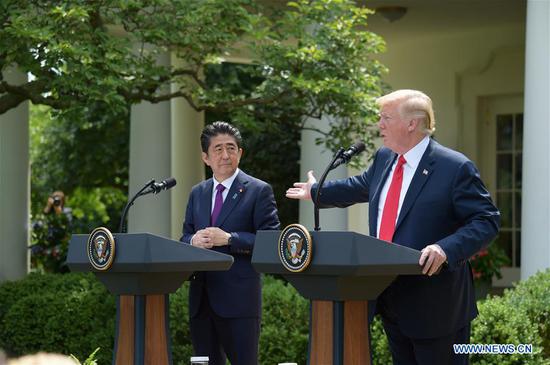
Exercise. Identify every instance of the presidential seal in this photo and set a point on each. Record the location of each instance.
(295, 248)
(101, 248)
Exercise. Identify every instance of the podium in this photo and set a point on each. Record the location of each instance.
(145, 270)
(347, 269)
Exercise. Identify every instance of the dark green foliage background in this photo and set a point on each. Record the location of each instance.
(74, 314)
(270, 139)
(85, 154)
(70, 313)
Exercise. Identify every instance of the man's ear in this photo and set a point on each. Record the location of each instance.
(413, 124)
(205, 159)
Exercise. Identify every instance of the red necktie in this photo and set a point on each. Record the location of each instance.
(389, 215)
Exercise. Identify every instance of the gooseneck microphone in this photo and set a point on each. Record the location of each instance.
(150, 187)
(347, 155)
(340, 157)
(165, 185)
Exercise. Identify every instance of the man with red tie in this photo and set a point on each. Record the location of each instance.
(223, 214)
(428, 197)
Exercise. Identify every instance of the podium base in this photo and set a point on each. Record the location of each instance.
(142, 330)
(339, 333)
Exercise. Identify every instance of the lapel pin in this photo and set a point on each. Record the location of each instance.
(234, 196)
(425, 172)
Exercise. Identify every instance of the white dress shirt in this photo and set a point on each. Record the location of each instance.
(413, 157)
(227, 183)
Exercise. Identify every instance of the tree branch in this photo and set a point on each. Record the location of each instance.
(10, 101)
(194, 75)
(316, 130)
(139, 96)
(244, 102)
(33, 91)
(219, 107)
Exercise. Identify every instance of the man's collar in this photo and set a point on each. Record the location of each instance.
(227, 182)
(414, 155)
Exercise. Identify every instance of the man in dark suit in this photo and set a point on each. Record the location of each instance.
(223, 214)
(430, 198)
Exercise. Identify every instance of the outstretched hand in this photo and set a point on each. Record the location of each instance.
(302, 190)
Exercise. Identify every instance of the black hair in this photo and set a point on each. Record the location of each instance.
(217, 128)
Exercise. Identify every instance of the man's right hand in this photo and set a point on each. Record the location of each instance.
(302, 190)
(202, 239)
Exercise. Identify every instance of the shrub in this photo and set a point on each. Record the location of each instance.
(520, 316)
(96, 207)
(70, 314)
(285, 328)
(499, 323)
(533, 296)
(74, 314)
(182, 349)
(379, 343)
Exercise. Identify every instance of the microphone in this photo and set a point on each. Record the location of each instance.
(150, 187)
(163, 185)
(354, 149)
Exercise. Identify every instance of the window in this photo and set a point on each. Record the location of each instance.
(509, 138)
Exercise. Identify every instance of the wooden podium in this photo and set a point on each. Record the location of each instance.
(145, 270)
(346, 270)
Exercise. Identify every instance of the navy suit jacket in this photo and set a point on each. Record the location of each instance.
(249, 207)
(447, 204)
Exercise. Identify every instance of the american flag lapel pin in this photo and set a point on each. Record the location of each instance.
(424, 172)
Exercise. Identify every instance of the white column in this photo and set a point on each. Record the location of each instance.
(164, 142)
(315, 157)
(187, 166)
(150, 157)
(14, 187)
(535, 236)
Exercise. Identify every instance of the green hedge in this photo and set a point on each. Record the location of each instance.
(520, 316)
(74, 314)
(71, 313)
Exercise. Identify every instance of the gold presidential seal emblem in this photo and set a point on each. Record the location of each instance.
(101, 248)
(295, 248)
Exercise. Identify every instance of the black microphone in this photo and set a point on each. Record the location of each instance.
(354, 149)
(164, 185)
(150, 187)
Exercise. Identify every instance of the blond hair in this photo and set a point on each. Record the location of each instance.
(412, 104)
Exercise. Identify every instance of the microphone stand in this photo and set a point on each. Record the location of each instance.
(320, 186)
(337, 305)
(142, 191)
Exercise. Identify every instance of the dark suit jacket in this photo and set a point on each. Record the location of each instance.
(249, 207)
(447, 204)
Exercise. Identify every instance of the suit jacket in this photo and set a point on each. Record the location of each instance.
(447, 204)
(249, 207)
